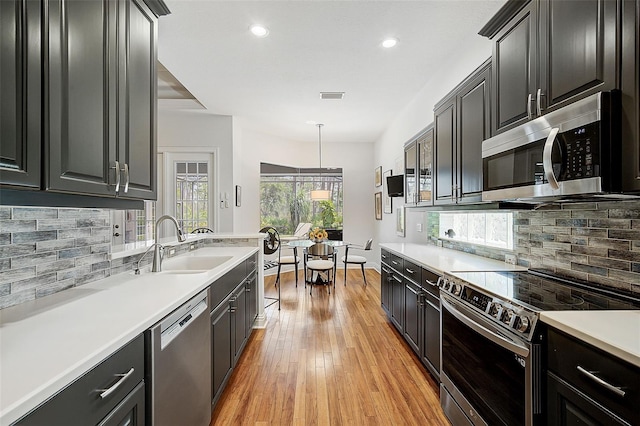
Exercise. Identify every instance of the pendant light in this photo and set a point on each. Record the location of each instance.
(320, 194)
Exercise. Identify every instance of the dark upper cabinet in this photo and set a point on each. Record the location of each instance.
(461, 124)
(137, 109)
(95, 101)
(102, 113)
(547, 54)
(20, 93)
(80, 111)
(514, 75)
(418, 168)
(630, 88)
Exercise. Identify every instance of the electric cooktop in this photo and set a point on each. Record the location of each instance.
(541, 290)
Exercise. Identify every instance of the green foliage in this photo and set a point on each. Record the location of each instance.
(328, 214)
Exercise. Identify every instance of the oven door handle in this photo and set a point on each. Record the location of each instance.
(504, 342)
(547, 163)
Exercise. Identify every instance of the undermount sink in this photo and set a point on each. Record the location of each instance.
(193, 264)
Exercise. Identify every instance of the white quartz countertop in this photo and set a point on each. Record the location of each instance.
(47, 343)
(615, 332)
(443, 260)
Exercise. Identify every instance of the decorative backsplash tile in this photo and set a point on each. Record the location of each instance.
(47, 250)
(598, 242)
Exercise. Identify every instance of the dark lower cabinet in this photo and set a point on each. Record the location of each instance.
(239, 320)
(411, 301)
(587, 386)
(397, 300)
(412, 314)
(235, 301)
(221, 353)
(130, 412)
(119, 380)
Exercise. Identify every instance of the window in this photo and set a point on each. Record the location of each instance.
(192, 195)
(485, 229)
(285, 197)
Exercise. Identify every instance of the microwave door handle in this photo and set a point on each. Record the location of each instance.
(547, 164)
(504, 342)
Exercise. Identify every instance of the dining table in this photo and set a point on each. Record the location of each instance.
(307, 244)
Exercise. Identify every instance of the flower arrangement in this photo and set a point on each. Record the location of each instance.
(318, 234)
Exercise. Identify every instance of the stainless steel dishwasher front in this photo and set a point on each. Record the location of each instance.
(180, 366)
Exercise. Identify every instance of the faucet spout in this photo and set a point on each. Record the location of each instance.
(157, 254)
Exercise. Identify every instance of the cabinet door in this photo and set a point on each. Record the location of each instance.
(566, 406)
(222, 351)
(425, 168)
(130, 411)
(397, 301)
(412, 314)
(239, 318)
(251, 287)
(20, 86)
(473, 127)
(81, 112)
(410, 172)
(431, 350)
(137, 94)
(385, 285)
(577, 49)
(630, 86)
(514, 70)
(445, 136)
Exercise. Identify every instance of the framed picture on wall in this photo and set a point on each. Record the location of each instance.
(378, 205)
(400, 221)
(387, 201)
(378, 176)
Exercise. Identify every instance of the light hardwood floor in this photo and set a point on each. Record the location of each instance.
(329, 359)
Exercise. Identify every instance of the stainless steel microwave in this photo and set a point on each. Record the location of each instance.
(572, 152)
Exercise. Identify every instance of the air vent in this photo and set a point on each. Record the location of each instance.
(332, 95)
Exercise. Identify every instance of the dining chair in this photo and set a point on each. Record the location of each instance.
(323, 259)
(355, 259)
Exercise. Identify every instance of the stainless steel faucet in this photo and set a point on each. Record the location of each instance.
(157, 255)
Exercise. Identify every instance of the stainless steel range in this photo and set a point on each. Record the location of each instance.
(492, 344)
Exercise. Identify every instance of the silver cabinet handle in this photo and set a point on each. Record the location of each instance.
(104, 393)
(411, 271)
(547, 165)
(539, 96)
(529, 100)
(397, 279)
(394, 262)
(125, 169)
(453, 193)
(591, 375)
(116, 167)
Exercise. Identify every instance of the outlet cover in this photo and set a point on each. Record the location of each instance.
(419, 227)
(511, 259)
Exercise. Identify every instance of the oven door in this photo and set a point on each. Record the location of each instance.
(488, 372)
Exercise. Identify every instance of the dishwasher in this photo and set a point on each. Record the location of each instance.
(179, 367)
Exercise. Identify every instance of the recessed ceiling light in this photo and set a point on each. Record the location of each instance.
(389, 42)
(259, 31)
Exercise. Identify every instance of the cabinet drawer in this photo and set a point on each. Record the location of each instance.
(411, 271)
(222, 287)
(397, 263)
(251, 263)
(430, 284)
(385, 256)
(81, 402)
(570, 359)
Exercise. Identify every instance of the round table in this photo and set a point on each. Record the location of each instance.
(306, 244)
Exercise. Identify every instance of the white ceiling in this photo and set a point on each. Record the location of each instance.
(313, 46)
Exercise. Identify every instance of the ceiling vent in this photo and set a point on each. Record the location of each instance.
(332, 95)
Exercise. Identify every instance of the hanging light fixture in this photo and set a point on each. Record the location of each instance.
(320, 194)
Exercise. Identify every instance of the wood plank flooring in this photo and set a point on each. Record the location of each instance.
(329, 359)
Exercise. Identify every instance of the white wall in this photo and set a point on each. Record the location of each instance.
(417, 115)
(195, 130)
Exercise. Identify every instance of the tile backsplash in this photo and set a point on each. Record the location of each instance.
(598, 242)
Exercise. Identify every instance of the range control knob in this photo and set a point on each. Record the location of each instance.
(444, 284)
(456, 289)
(521, 324)
(507, 315)
(495, 309)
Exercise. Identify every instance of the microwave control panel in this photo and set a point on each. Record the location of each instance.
(581, 152)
